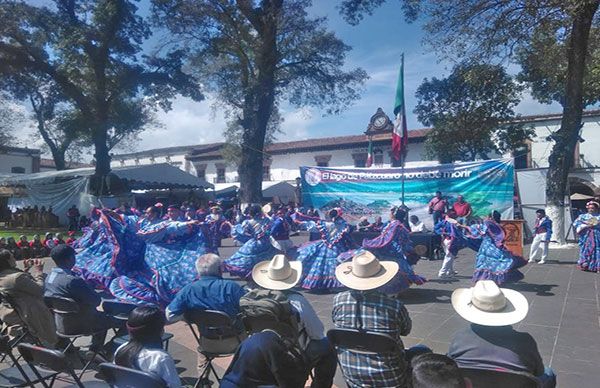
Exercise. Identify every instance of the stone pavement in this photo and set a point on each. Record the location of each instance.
(564, 314)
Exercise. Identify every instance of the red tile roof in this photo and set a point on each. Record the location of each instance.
(49, 163)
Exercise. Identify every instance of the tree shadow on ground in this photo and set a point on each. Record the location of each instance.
(539, 289)
(419, 295)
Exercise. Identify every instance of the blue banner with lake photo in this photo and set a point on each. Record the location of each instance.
(370, 192)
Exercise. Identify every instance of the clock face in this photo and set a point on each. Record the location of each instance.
(379, 122)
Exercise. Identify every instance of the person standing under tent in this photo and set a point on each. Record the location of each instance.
(541, 239)
(587, 226)
(463, 210)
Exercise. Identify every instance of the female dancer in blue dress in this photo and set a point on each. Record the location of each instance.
(493, 260)
(320, 258)
(587, 227)
(256, 249)
(393, 244)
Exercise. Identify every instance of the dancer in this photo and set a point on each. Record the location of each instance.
(453, 240)
(256, 249)
(542, 233)
(393, 244)
(493, 260)
(320, 258)
(280, 233)
(219, 228)
(587, 227)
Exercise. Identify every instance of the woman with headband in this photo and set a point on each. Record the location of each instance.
(587, 227)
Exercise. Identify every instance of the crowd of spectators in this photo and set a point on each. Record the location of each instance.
(23, 249)
(284, 354)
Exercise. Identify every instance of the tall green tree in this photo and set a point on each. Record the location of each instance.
(92, 51)
(496, 29)
(9, 119)
(254, 55)
(470, 111)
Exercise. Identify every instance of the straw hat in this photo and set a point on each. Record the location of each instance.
(278, 273)
(267, 208)
(365, 272)
(487, 304)
(420, 249)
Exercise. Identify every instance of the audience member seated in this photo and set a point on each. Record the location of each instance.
(71, 239)
(280, 275)
(377, 226)
(36, 246)
(432, 370)
(22, 304)
(48, 241)
(11, 245)
(365, 307)
(490, 342)
(144, 351)
(363, 224)
(2, 243)
(23, 246)
(58, 239)
(63, 283)
(416, 225)
(266, 359)
(209, 292)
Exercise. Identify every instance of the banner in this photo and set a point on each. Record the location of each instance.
(370, 192)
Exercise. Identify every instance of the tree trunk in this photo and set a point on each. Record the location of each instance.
(259, 107)
(101, 155)
(566, 137)
(59, 159)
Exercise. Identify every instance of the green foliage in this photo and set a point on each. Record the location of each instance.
(468, 111)
(254, 55)
(544, 65)
(90, 52)
(10, 118)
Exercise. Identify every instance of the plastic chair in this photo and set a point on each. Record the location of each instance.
(216, 327)
(119, 376)
(120, 312)
(362, 342)
(53, 360)
(484, 378)
(69, 325)
(16, 376)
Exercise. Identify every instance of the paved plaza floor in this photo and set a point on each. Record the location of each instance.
(564, 314)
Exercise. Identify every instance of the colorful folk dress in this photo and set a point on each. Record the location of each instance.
(280, 236)
(257, 247)
(393, 244)
(320, 257)
(172, 248)
(587, 227)
(493, 261)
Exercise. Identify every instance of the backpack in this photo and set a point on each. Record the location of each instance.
(268, 309)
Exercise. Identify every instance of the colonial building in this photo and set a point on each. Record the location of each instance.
(16, 160)
(282, 159)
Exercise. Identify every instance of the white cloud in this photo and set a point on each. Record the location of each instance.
(296, 124)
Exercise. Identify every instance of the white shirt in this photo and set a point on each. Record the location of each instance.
(158, 362)
(419, 227)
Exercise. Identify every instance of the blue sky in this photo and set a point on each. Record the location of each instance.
(377, 44)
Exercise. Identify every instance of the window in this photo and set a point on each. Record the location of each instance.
(360, 162)
(322, 164)
(201, 174)
(17, 170)
(378, 157)
(266, 173)
(220, 174)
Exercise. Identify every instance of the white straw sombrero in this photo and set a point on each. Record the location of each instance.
(487, 304)
(278, 273)
(365, 272)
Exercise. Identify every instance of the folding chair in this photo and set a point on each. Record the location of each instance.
(484, 378)
(16, 376)
(24, 336)
(69, 325)
(362, 342)
(119, 376)
(215, 331)
(55, 361)
(120, 312)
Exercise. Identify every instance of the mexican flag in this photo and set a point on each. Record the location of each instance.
(370, 154)
(400, 133)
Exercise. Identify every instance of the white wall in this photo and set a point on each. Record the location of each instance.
(8, 161)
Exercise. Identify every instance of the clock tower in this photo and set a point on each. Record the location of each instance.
(380, 123)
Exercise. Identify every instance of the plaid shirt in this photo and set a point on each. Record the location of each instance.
(378, 313)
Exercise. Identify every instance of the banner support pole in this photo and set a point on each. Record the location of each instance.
(402, 171)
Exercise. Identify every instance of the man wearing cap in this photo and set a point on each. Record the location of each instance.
(280, 274)
(364, 307)
(490, 342)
